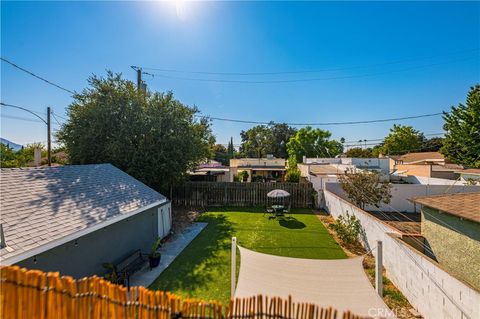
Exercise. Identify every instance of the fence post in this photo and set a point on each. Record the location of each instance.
(378, 269)
(234, 266)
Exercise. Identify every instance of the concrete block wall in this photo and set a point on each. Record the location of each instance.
(402, 193)
(434, 292)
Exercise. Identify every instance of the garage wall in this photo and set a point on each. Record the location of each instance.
(84, 257)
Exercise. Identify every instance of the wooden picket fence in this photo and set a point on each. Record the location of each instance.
(207, 194)
(33, 294)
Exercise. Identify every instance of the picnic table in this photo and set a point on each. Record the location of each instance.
(278, 209)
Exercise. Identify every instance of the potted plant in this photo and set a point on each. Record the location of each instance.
(112, 276)
(154, 256)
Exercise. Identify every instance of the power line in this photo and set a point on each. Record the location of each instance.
(25, 109)
(310, 79)
(62, 117)
(322, 124)
(21, 118)
(381, 139)
(305, 71)
(56, 119)
(37, 76)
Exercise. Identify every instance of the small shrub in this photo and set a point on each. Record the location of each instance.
(292, 176)
(243, 175)
(347, 228)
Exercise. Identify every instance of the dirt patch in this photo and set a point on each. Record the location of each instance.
(183, 216)
(392, 296)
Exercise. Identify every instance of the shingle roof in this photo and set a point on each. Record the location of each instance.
(42, 205)
(421, 156)
(465, 205)
(326, 170)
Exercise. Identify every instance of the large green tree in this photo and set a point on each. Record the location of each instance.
(462, 125)
(261, 140)
(220, 154)
(152, 136)
(312, 142)
(231, 149)
(401, 140)
(433, 144)
(359, 152)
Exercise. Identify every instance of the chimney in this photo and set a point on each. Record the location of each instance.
(37, 156)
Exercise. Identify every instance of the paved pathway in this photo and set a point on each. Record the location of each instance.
(340, 283)
(170, 251)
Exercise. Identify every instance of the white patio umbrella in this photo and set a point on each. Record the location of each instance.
(278, 193)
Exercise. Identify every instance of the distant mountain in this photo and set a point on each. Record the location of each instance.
(12, 145)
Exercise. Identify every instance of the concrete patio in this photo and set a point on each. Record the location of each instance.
(170, 250)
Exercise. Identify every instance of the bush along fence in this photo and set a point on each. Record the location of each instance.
(204, 194)
(34, 294)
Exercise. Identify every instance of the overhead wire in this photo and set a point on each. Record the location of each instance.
(303, 71)
(322, 123)
(36, 76)
(24, 109)
(310, 79)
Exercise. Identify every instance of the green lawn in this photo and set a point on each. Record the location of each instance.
(203, 269)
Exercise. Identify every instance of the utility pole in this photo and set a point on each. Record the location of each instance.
(139, 79)
(49, 139)
(378, 269)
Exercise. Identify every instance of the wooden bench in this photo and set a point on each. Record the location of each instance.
(129, 265)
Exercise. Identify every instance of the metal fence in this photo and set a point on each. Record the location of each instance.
(33, 294)
(205, 194)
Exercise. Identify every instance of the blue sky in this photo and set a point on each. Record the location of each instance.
(432, 44)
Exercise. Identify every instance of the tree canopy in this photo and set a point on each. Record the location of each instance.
(433, 144)
(359, 152)
(25, 156)
(401, 140)
(220, 154)
(261, 140)
(312, 142)
(462, 125)
(365, 188)
(151, 136)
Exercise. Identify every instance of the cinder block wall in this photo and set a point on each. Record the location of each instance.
(432, 290)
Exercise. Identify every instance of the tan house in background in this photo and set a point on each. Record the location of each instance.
(259, 169)
(424, 164)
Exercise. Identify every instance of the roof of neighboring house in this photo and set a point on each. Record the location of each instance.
(263, 167)
(421, 156)
(325, 170)
(210, 163)
(472, 171)
(465, 205)
(210, 171)
(45, 206)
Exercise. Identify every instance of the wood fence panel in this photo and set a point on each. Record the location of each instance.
(208, 194)
(26, 294)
